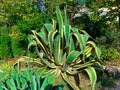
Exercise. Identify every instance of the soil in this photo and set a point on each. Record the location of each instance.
(12, 59)
(113, 63)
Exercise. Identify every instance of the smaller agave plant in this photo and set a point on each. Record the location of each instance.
(66, 50)
(26, 80)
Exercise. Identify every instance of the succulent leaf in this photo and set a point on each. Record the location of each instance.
(92, 75)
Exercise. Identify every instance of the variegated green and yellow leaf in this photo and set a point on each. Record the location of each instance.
(51, 36)
(67, 28)
(49, 27)
(75, 30)
(63, 58)
(41, 43)
(88, 51)
(81, 41)
(43, 36)
(54, 24)
(97, 50)
(92, 75)
(73, 85)
(60, 21)
(73, 55)
(82, 66)
(57, 50)
(67, 34)
(72, 45)
(32, 43)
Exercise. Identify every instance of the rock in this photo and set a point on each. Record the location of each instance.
(113, 71)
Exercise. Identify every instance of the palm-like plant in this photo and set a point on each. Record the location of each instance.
(66, 50)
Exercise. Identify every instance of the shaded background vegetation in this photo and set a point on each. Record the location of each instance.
(18, 17)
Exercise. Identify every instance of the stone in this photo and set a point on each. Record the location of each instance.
(113, 71)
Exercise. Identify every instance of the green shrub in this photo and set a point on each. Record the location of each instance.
(6, 68)
(16, 44)
(5, 47)
(21, 17)
(16, 48)
(109, 45)
(109, 54)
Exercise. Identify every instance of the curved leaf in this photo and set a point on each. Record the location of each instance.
(54, 25)
(97, 50)
(38, 80)
(51, 36)
(48, 27)
(32, 43)
(72, 56)
(41, 43)
(67, 28)
(81, 66)
(92, 75)
(81, 41)
(67, 34)
(86, 34)
(64, 76)
(43, 36)
(75, 30)
(88, 51)
(72, 45)
(60, 21)
(11, 84)
(44, 84)
(57, 50)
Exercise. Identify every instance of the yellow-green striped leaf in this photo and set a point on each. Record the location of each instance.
(48, 27)
(75, 30)
(67, 34)
(67, 28)
(60, 21)
(51, 36)
(85, 37)
(43, 36)
(54, 25)
(41, 43)
(57, 49)
(81, 41)
(32, 43)
(97, 50)
(72, 45)
(92, 75)
(73, 85)
(73, 55)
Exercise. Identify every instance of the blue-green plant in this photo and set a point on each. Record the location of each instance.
(26, 80)
(66, 50)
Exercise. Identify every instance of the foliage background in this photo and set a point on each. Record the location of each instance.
(18, 17)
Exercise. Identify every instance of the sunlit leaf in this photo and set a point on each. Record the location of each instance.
(92, 75)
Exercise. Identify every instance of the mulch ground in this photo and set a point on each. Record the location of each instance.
(113, 63)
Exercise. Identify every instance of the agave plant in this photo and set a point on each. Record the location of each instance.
(66, 50)
(26, 80)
